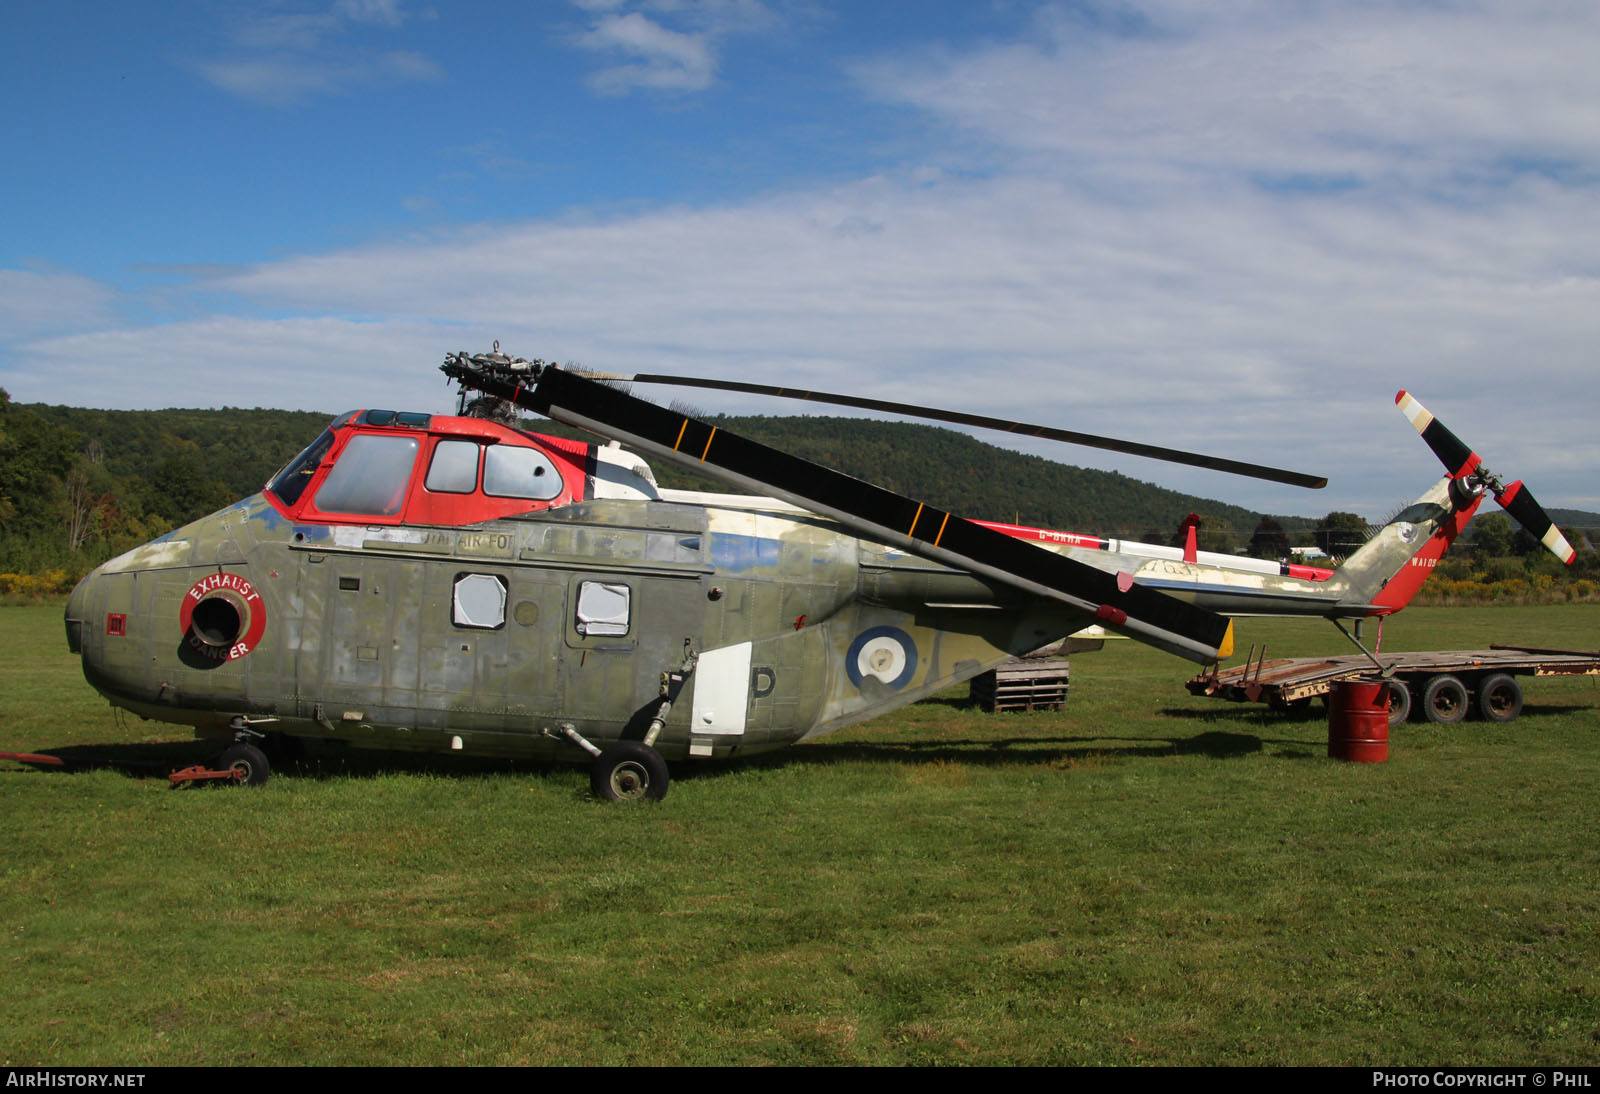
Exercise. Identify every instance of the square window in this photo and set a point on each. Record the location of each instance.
(602, 608)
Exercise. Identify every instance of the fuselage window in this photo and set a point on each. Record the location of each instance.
(370, 477)
(454, 469)
(603, 608)
(287, 485)
(513, 472)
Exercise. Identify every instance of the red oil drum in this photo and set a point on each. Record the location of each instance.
(1358, 721)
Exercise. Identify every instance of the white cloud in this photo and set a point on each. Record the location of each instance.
(288, 58)
(281, 81)
(386, 13)
(655, 54)
(1365, 92)
(34, 304)
(1254, 331)
(659, 59)
(1119, 265)
(297, 364)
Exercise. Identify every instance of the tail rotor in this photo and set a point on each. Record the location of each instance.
(1466, 466)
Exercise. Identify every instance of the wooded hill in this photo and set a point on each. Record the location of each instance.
(79, 485)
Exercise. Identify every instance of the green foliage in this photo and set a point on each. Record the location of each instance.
(78, 486)
(1490, 535)
(1339, 534)
(1269, 540)
(1214, 533)
(34, 458)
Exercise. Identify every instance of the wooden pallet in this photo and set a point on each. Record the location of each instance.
(1025, 684)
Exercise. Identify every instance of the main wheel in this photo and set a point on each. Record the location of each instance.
(1499, 698)
(629, 771)
(247, 761)
(1399, 702)
(1444, 700)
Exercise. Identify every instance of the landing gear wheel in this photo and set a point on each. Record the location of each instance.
(1444, 700)
(1399, 702)
(248, 761)
(1499, 698)
(629, 771)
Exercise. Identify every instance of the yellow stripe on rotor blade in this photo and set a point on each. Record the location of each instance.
(1226, 649)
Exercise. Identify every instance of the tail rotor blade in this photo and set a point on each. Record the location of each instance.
(1518, 501)
(1457, 458)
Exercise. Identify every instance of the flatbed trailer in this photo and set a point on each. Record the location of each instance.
(1441, 686)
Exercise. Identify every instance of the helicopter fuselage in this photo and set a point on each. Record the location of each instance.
(489, 636)
(439, 583)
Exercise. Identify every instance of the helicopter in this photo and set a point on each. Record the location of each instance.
(453, 583)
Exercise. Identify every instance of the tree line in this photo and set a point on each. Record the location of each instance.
(78, 486)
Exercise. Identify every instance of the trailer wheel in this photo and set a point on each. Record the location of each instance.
(1399, 702)
(1444, 700)
(1499, 698)
(1297, 708)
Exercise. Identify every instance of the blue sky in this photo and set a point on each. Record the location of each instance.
(1237, 227)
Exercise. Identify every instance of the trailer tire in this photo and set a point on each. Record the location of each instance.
(1444, 700)
(1399, 702)
(1295, 708)
(1499, 698)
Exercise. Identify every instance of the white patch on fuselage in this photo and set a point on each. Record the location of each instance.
(749, 522)
(749, 502)
(357, 535)
(619, 473)
(152, 556)
(721, 691)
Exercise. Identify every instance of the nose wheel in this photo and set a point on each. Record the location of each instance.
(629, 771)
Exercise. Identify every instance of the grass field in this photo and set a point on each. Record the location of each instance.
(1145, 878)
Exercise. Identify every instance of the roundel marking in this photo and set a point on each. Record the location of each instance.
(884, 653)
(248, 619)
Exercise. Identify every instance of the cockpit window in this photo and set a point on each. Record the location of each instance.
(1420, 513)
(287, 485)
(370, 477)
(513, 472)
(454, 468)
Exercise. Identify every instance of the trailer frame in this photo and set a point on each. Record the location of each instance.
(1440, 686)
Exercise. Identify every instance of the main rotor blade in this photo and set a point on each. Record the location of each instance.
(1459, 460)
(1090, 440)
(1112, 599)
